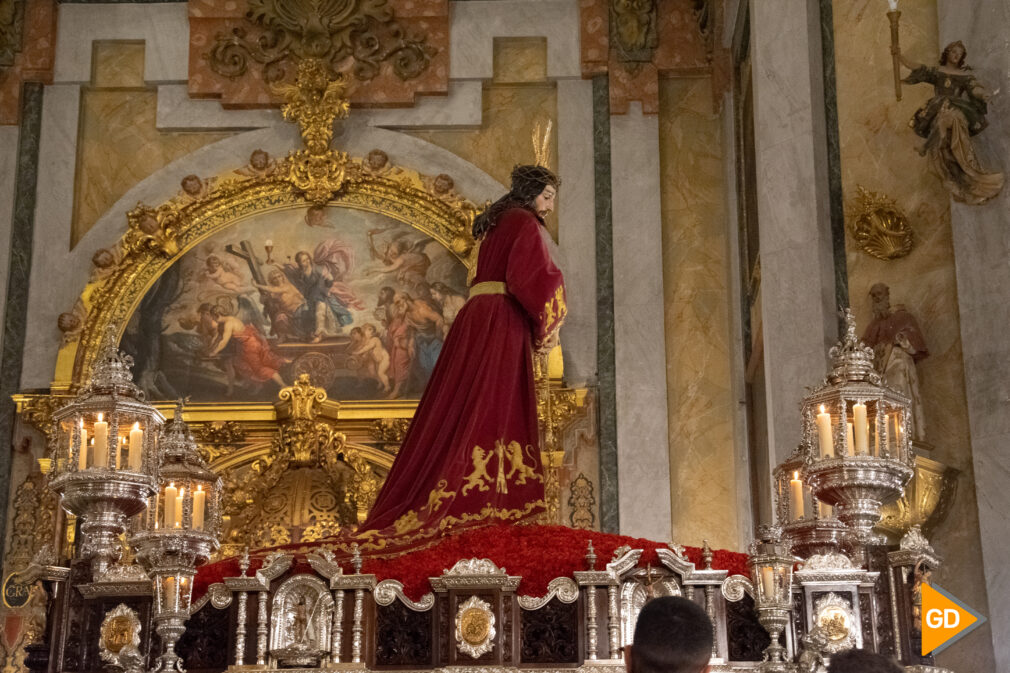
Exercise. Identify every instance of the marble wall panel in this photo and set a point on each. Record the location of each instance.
(119, 144)
(797, 272)
(981, 237)
(639, 336)
(577, 229)
(475, 24)
(878, 151)
(697, 316)
(162, 27)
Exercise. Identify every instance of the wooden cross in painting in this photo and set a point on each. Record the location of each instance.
(245, 252)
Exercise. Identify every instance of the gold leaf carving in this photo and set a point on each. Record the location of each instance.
(879, 227)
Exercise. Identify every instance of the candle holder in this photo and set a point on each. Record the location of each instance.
(104, 444)
(857, 438)
(770, 583)
(808, 524)
(771, 567)
(179, 532)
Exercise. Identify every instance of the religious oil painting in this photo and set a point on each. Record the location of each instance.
(359, 301)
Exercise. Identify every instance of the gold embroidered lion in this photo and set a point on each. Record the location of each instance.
(514, 454)
(479, 476)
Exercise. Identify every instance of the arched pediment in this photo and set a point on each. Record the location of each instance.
(381, 213)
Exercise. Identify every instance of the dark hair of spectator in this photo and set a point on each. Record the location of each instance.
(862, 661)
(673, 635)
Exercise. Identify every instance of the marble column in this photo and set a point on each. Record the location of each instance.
(981, 249)
(8, 175)
(577, 227)
(639, 334)
(19, 265)
(798, 319)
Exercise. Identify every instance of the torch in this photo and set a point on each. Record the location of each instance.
(892, 16)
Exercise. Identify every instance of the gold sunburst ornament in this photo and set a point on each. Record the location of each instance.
(542, 144)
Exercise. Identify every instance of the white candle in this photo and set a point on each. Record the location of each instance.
(170, 498)
(824, 434)
(101, 442)
(83, 457)
(849, 443)
(876, 439)
(824, 510)
(861, 428)
(199, 499)
(170, 598)
(178, 508)
(768, 582)
(136, 447)
(796, 496)
(893, 4)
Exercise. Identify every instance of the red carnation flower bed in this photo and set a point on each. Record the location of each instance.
(536, 553)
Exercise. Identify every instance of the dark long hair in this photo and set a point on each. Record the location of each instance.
(527, 184)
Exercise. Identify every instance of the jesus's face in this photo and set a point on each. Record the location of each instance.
(544, 203)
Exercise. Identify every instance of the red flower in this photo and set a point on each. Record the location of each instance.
(536, 553)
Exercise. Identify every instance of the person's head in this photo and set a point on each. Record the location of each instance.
(276, 278)
(304, 262)
(357, 333)
(377, 160)
(386, 295)
(672, 635)
(954, 54)
(213, 262)
(440, 291)
(192, 185)
(103, 258)
(880, 294)
(316, 216)
(259, 159)
(443, 183)
(149, 224)
(533, 188)
(862, 661)
(369, 329)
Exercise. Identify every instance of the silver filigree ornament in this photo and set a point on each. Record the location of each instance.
(857, 476)
(180, 531)
(103, 470)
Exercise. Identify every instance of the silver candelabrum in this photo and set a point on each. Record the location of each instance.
(857, 434)
(771, 584)
(171, 558)
(179, 532)
(105, 450)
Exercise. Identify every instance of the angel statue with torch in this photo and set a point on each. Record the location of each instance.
(949, 119)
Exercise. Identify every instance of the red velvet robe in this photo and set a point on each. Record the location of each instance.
(471, 455)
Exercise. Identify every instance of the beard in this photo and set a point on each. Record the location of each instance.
(881, 308)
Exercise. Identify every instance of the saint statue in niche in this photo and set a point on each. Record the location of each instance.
(948, 120)
(898, 345)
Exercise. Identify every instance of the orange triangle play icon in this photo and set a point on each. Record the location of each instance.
(944, 619)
